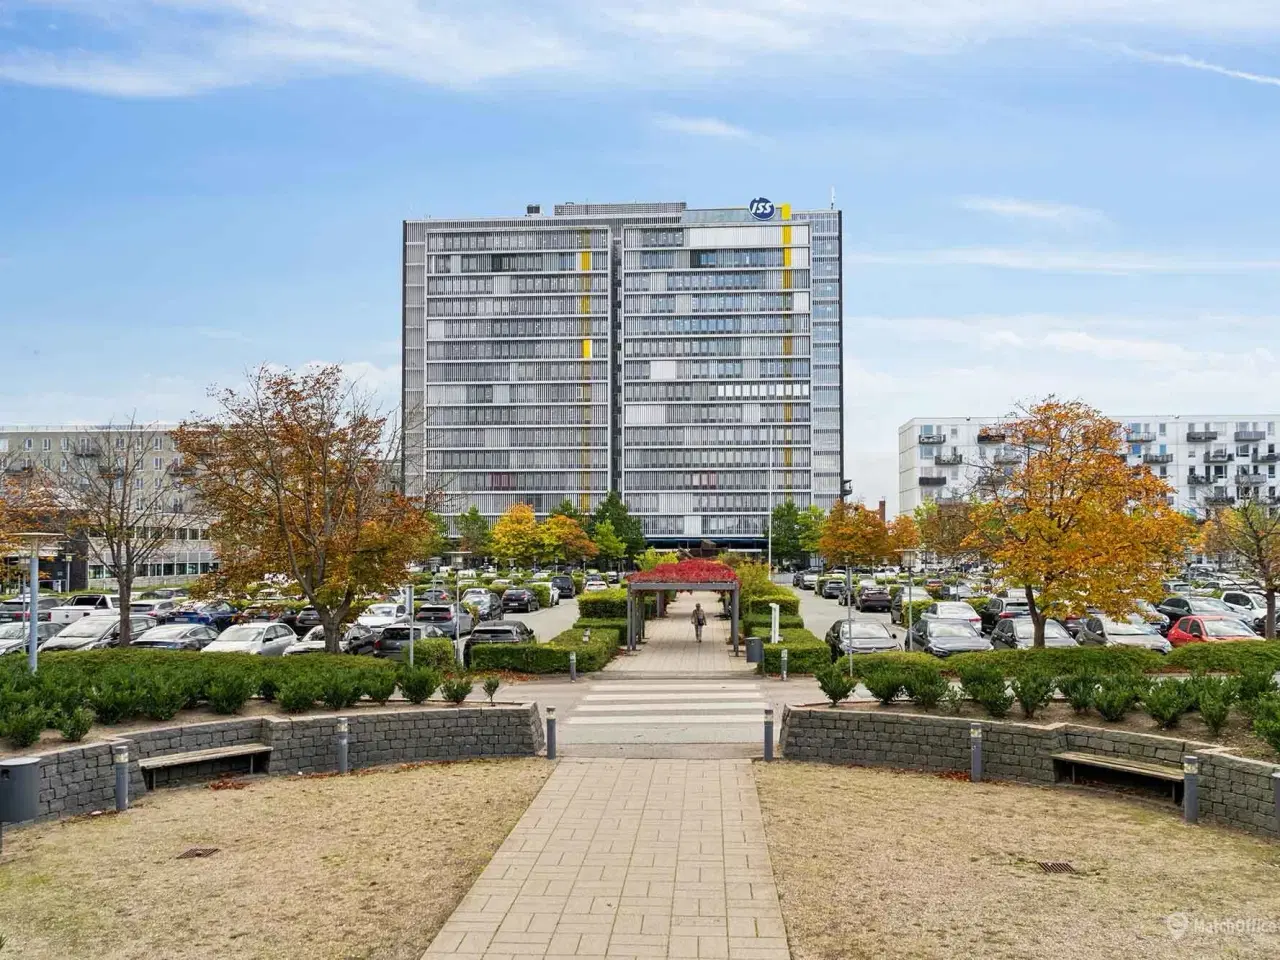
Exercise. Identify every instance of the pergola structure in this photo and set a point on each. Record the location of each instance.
(685, 575)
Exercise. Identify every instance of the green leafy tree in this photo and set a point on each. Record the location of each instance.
(786, 525)
(473, 532)
(608, 543)
(810, 523)
(625, 527)
(517, 535)
(652, 557)
(435, 539)
(566, 509)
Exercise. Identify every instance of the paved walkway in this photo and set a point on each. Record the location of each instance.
(624, 859)
(671, 650)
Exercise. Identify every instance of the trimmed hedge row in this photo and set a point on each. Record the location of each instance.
(550, 657)
(787, 601)
(604, 604)
(763, 623)
(806, 653)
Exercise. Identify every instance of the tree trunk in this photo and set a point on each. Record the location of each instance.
(332, 623)
(1269, 627)
(124, 587)
(1037, 619)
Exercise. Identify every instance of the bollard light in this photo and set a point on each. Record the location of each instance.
(344, 728)
(768, 733)
(551, 733)
(344, 725)
(784, 663)
(1191, 788)
(120, 756)
(573, 667)
(975, 752)
(1275, 790)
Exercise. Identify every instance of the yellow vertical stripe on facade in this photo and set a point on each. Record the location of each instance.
(586, 349)
(786, 456)
(784, 211)
(584, 260)
(584, 304)
(788, 346)
(786, 279)
(786, 412)
(786, 251)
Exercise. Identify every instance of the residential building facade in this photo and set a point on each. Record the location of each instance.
(689, 359)
(52, 447)
(1209, 460)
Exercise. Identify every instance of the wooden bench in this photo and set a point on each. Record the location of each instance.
(1135, 768)
(166, 760)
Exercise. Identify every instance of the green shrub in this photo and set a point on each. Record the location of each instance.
(298, 694)
(435, 653)
(805, 653)
(457, 689)
(338, 690)
(951, 700)
(23, 727)
(1116, 696)
(379, 685)
(885, 683)
(553, 656)
(114, 698)
(1255, 683)
(1079, 688)
(490, 686)
(1266, 720)
(1214, 698)
(1166, 701)
(604, 604)
(974, 673)
(161, 697)
(543, 592)
(268, 686)
(1226, 657)
(74, 724)
(994, 697)
(760, 624)
(836, 684)
(1033, 689)
(925, 685)
(228, 690)
(418, 684)
(1063, 660)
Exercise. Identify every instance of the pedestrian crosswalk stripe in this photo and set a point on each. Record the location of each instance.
(659, 707)
(700, 695)
(625, 686)
(687, 718)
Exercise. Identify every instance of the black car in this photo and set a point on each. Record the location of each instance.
(945, 637)
(487, 606)
(308, 618)
(216, 613)
(872, 596)
(393, 642)
(860, 636)
(177, 636)
(520, 598)
(1002, 608)
(1018, 633)
(565, 586)
(506, 631)
(833, 590)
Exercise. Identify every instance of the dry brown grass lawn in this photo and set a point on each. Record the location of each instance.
(316, 868)
(881, 864)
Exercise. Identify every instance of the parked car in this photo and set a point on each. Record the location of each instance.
(1133, 631)
(308, 618)
(594, 586)
(564, 584)
(434, 595)
(164, 593)
(14, 635)
(797, 579)
(1251, 606)
(19, 609)
(379, 615)
(833, 590)
(809, 579)
(393, 642)
(216, 613)
(262, 639)
(94, 633)
(1210, 628)
(161, 611)
(177, 636)
(860, 636)
(870, 596)
(84, 605)
(942, 638)
(356, 639)
(1003, 608)
(1018, 633)
(1177, 606)
(449, 622)
(519, 598)
(487, 606)
(506, 631)
(952, 610)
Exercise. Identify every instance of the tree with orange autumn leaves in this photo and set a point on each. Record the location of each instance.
(1074, 523)
(853, 535)
(1249, 533)
(295, 473)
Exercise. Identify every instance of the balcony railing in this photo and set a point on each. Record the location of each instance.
(1201, 436)
(1266, 458)
(1250, 436)
(1219, 456)
(933, 481)
(1198, 480)
(991, 436)
(1157, 458)
(927, 438)
(949, 459)
(1007, 458)
(1219, 500)
(1138, 436)
(1249, 479)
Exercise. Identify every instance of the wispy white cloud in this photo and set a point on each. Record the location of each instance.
(701, 127)
(1193, 63)
(1062, 214)
(179, 47)
(1063, 261)
(224, 334)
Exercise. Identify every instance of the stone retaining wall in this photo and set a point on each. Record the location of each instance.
(1233, 790)
(79, 778)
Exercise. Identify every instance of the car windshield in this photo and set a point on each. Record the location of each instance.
(1025, 629)
(168, 632)
(962, 610)
(863, 630)
(1209, 605)
(13, 631)
(1128, 628)
(951, 630)
(245, 633)
(88, 627)
(1226, 628)
(382, 610)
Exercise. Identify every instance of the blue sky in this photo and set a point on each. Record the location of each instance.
(1070, 196)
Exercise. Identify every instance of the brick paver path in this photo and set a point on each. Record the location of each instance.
(628, 858)
(670, 647)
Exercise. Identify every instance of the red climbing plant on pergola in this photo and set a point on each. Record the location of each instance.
(684, 575)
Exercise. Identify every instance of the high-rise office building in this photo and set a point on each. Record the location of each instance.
(689, 359)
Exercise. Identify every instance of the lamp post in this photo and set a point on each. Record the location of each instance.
(909, 561)
(33, 540)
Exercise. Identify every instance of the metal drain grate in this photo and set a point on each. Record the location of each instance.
(197, 852)
(1056, 866)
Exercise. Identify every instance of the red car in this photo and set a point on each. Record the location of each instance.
(1209, 628)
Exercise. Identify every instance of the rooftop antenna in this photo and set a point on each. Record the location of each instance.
(833, 198)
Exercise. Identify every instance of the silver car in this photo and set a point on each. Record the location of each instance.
(13, 635)
(93, 633)
(262, 639)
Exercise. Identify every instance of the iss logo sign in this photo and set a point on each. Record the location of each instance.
(761, 208)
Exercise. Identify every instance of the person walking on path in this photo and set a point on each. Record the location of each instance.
(699, 621)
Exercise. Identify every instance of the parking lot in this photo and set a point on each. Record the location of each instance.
(818, 614)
